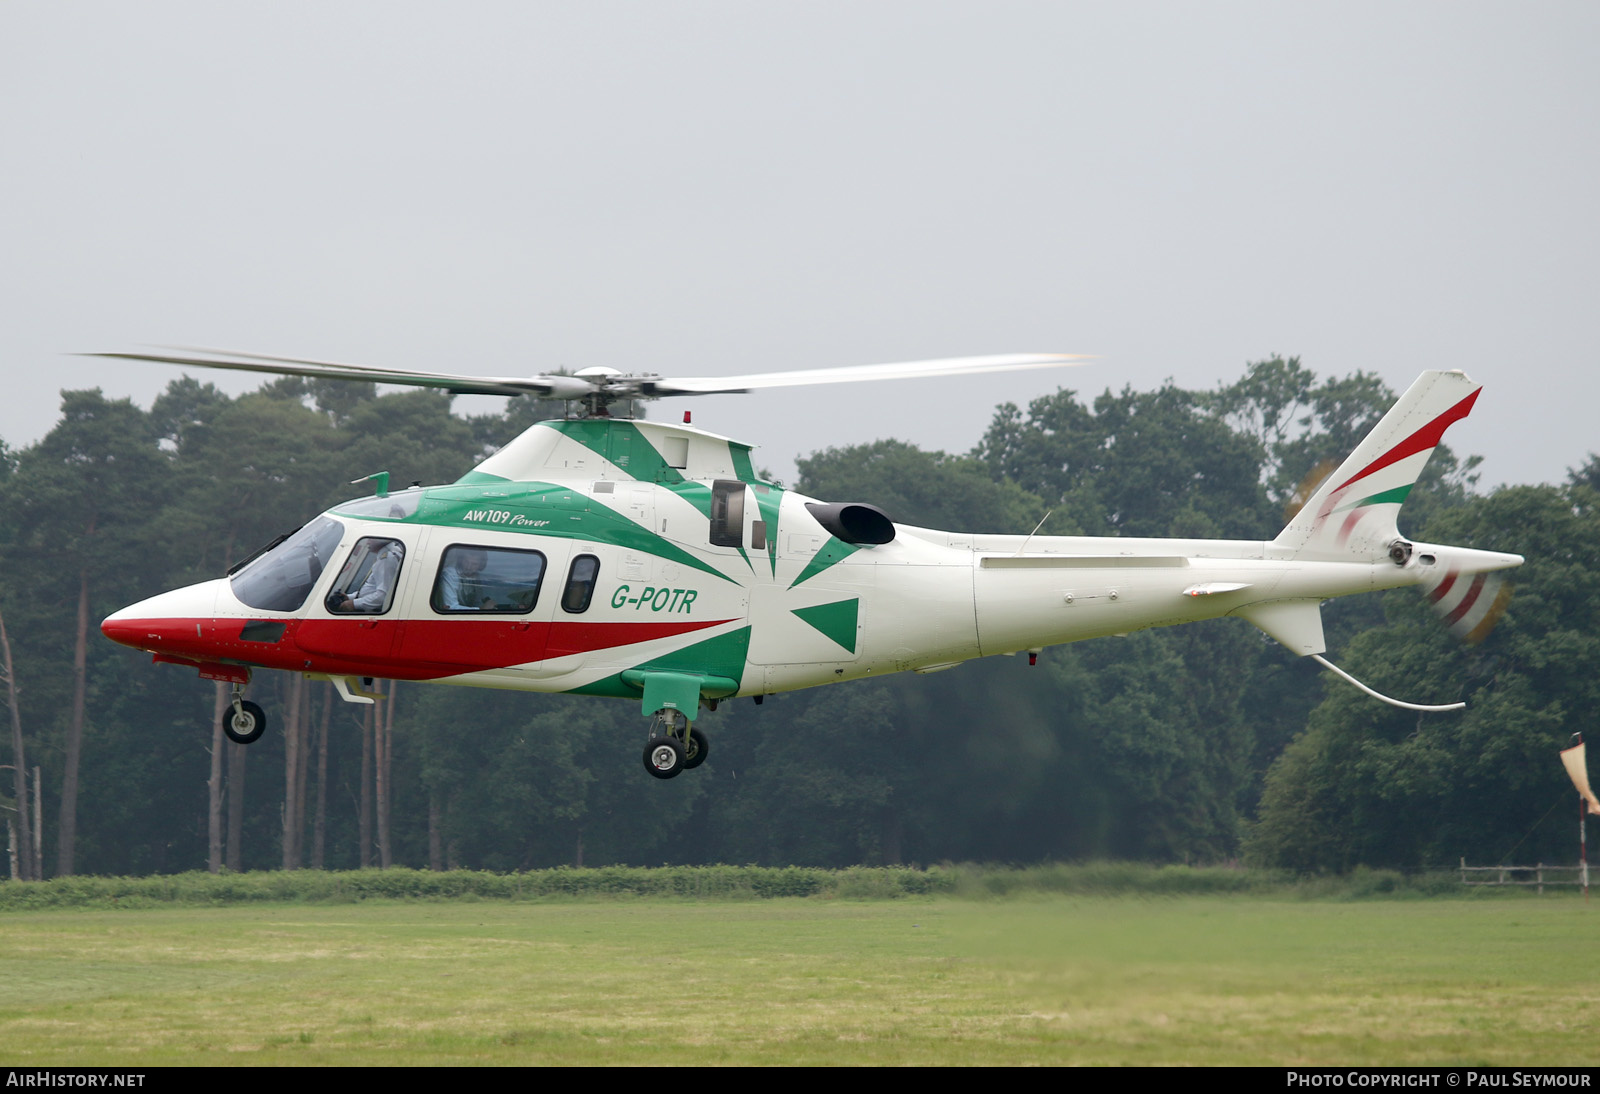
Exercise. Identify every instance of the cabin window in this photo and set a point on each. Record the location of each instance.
(279, 577)
(487, 579)
(366, 584)
(727, 513)
(581, 577)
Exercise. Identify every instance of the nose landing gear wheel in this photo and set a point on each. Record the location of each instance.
(663, 757)
(245, 724)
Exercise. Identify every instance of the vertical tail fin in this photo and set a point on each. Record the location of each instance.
(1354, 510)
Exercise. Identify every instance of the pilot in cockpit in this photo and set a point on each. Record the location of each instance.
(373, 595)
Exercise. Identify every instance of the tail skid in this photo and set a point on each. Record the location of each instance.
(1432, 708)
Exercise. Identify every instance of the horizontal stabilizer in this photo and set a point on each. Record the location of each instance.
(1295, 623)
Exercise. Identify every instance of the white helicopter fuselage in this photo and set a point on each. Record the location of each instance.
(782, 603)
(648, 561)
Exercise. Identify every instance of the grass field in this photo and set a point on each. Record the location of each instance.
(1049, 980)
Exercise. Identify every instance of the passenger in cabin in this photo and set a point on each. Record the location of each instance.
(459, 585)
(373, 596)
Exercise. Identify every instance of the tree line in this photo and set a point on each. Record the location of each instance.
(1202, 743)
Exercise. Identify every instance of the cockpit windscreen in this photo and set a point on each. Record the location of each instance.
(281, 579)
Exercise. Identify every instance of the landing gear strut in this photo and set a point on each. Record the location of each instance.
(674, 746)
(244, 722)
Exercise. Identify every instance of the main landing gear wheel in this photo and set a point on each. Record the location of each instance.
(674, 746)
(664, 757)
(244, 723)
(699, 748)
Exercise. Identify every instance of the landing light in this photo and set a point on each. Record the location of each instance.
(1213, 588)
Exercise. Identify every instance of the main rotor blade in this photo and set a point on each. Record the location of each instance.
(610, 386)
(332, 370)
(894, 370)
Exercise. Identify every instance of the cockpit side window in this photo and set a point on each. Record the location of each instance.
(366, 584)
(727, 513)
(280, 578)
(581, 578)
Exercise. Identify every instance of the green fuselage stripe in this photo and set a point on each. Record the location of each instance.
(722, 656)
(546, 510)
(624, 445)
(769, 499)
(834, 551)
(837, 621)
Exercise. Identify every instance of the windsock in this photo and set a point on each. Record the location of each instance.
(1578, 768)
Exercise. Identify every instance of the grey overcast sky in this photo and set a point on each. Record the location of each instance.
(721, 187)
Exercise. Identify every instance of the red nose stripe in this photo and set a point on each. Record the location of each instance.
(141, 633)
(400, 649)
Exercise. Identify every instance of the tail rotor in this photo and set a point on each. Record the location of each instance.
(1469, 604)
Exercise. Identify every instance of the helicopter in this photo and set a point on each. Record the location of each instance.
(649, 561)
